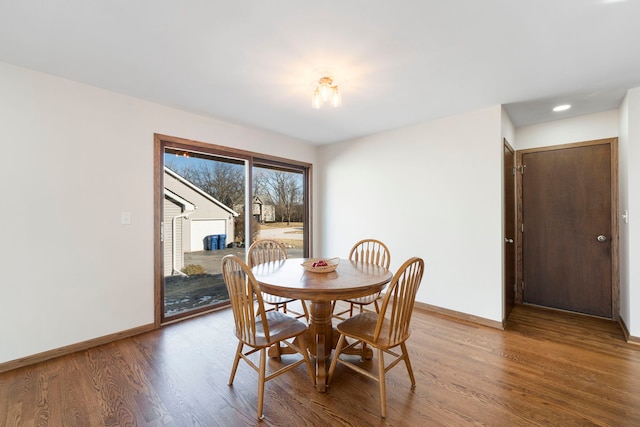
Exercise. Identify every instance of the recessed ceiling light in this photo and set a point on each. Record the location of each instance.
(563, 107)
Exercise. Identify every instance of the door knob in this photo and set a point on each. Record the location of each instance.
(602, 238)
(507, 240)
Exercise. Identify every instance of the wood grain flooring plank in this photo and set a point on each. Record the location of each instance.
(547, 368)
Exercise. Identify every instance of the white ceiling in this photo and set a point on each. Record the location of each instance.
(398, 62)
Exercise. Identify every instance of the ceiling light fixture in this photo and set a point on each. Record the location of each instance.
(563, 107)
(326, 91)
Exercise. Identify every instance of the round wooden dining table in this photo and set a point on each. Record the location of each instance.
(288, 278)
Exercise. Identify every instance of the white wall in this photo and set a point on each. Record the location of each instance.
(508, 134)
(629, 145)
(508, 130)
(73, 158)
(623, 171)
(577, 129)
(432, 190)
(633, 182)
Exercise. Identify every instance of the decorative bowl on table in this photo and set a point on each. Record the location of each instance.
(321, 265)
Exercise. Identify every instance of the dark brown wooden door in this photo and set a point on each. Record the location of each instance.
(566, 212)
(509, 229)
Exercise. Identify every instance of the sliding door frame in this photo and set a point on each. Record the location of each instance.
(161, 142)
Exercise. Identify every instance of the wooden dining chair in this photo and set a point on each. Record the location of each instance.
(384, 331)
(258, 329)
(263, 251)
(371, 251)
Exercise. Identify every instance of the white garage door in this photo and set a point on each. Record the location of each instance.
(200, 228)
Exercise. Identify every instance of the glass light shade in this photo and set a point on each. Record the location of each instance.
(336, 99)
(325, 90)
(316, 101)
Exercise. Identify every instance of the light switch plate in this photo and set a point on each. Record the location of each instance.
(125, 218)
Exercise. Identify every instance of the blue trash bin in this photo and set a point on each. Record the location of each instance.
(214, 242)
(222, 241)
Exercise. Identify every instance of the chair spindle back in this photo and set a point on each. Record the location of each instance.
(371, 251)
(399, 300)
(246, 299)
(263, 251)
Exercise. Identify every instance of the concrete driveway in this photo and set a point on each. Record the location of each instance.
(211, 260)
(289, 233)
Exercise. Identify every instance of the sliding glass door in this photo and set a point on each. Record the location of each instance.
(279, 206)
(206, 209)
(202, 196)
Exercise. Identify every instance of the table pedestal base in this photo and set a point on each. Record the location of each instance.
(321, 340)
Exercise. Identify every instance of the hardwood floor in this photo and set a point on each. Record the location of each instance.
(547, 369)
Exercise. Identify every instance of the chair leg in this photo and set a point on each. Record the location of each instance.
(336, 356)
(405, 353)
(382, 381)
(261, 377)
(235, 362)
(306, 311)
(305, 354)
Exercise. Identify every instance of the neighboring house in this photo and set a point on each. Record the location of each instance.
(190, 215)
(176, 210)
(263, 211)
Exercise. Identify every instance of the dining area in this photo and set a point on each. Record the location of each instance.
(466, 375)
(354, 310)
